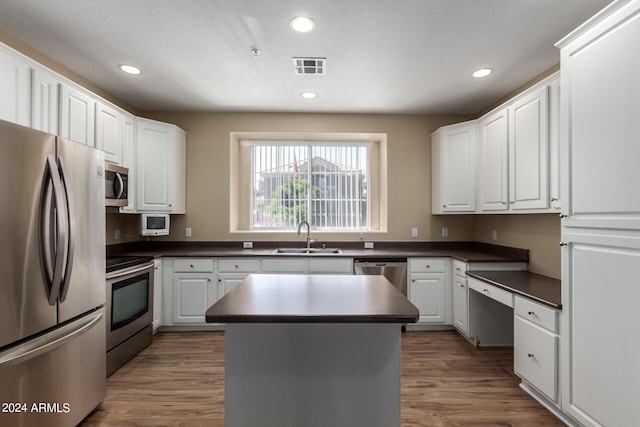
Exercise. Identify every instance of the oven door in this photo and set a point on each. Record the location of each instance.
(129, 302)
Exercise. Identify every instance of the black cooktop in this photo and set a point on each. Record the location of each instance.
(118, 262)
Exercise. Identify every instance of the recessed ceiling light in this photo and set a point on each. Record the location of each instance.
(302, 24)
(482, 72)
(308, 95)
(130, 69)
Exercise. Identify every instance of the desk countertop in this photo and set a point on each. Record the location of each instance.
(543, 289)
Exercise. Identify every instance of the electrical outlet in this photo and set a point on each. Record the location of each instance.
(494, 234)
(414, 232)
(117, 234)
(368, 245)
(247, 245)
(187, 232)
(445, 232)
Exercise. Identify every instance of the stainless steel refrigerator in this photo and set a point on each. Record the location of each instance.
(52, 279)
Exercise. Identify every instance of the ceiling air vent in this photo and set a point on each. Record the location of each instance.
(310, 66)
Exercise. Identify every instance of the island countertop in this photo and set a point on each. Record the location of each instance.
(274, 298)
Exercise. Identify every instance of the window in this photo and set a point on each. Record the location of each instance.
(335, 181)
(322, 183)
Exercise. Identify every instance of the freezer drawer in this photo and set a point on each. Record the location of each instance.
(56, 379)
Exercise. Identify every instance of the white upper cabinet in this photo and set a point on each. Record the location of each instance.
(128, 160)
(45, 101)
(77, 115)
(493, 161)
(109, 132)
(15, 87)
(453, 168)
(554, 144)
(160, 167)
(529, 151)
(601, 108)
(518, 168)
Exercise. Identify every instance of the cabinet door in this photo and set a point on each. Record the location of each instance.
(600, 111)
(529, 151)
(600, 346)
(493, 162)
(535, 356)
(460, 304)
(154, 166)
(554, 144)
(128, 160)
(427, 293)
(226, 282)
(193, 294)
(109, 132)
(77, 116)
(458, 169)
(45, 101)
(157, 294)
(15, 87)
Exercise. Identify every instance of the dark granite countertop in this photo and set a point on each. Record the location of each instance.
(464, 251)
(273, 298)
(540, 288)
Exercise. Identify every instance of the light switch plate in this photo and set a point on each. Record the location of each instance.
(187, 232)
(445, 232)
(247, 245)
(368, 245)
(414, 232)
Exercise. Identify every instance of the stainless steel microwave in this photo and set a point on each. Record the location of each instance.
(116, 181)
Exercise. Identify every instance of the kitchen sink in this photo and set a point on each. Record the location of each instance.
(305, 251)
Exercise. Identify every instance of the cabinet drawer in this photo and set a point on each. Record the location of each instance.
(493, 292)
(243, 265)
(426, 265)
(536, 313)
(185, 265)
(535, 357)
(331, 265)
(284, 265)
(460, 268)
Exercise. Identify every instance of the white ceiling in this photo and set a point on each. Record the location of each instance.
(383, 56)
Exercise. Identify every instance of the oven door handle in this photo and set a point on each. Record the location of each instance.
(127, 272)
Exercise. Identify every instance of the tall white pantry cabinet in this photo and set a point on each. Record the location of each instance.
(600, 148)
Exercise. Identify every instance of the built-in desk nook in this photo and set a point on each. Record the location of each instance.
(312, 350)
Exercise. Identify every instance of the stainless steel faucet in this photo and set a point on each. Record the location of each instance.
(308, 233)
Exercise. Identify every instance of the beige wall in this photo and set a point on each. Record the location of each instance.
(539, 233)
(409, 170)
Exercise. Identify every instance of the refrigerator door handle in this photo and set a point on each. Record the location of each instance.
(71, 224)
(52, 235)
(50, 341)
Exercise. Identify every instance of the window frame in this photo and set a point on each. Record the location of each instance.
(240, 196)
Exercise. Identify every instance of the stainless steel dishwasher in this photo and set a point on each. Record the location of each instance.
(393, 269)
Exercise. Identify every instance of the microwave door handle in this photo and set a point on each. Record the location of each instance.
(119, 188)
(51, 235)
(70, 225)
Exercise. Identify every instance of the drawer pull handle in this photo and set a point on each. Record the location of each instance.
(191, 265)
(530, 355)
(554, 199)
(563, 215)
(562, 244)
(458, 269)
(428, 266)
(461, 285)
(486, 291)
(236, 266)
(531, 313)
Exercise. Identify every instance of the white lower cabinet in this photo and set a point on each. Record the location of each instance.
(430, 291)
(535, 346)
(231, 271)
(193, 289)
(460, 297)
(157, 294)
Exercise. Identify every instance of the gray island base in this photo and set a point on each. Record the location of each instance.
(312, 350)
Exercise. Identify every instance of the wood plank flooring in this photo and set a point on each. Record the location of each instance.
(179, 381)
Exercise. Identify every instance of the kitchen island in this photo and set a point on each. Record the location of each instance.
(312, 350)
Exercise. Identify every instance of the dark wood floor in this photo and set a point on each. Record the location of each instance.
(179, 381)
